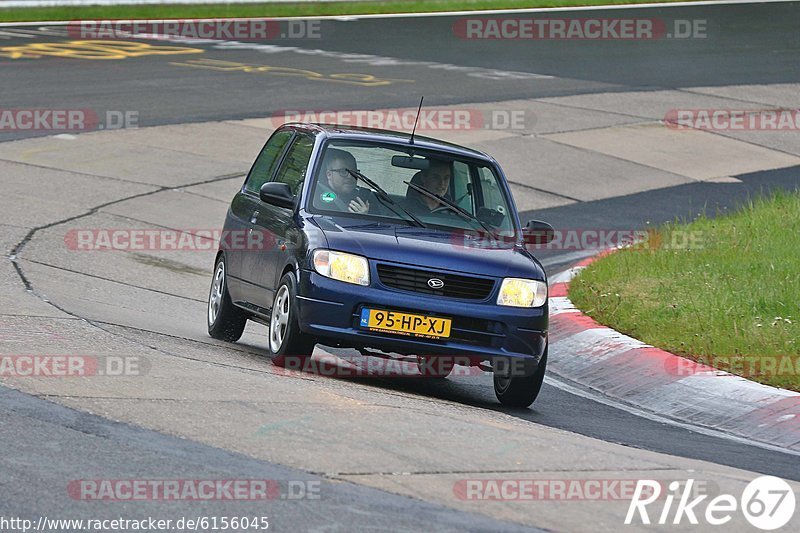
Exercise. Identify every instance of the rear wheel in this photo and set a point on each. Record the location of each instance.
(287, 344)
(226, 322)
(520, 391)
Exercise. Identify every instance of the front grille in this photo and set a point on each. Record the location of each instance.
(455, 285)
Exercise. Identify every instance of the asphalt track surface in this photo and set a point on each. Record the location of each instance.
(746, 44)
(57, 436)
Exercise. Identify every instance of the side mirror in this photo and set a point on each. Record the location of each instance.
(538, 232)
(277, 193)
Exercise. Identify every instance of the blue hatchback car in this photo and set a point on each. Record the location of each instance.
(372, 239)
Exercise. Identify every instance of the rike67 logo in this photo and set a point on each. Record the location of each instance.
(767, 503)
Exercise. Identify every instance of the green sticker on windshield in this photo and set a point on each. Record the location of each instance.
(328, 196)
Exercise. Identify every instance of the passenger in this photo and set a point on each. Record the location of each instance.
(337, 188)
(436, 178)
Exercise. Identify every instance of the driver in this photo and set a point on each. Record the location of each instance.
(337, 188)
(436, 178)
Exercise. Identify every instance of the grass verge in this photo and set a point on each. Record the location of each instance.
(267, 9)
(722, 291)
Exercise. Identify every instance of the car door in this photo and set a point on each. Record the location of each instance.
(278, 224)
(243, 212)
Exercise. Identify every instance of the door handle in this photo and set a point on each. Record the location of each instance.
(254, 218)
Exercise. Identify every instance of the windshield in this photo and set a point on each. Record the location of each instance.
(409, 186)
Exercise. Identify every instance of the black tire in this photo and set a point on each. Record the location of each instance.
(432, 366)
(520, 391)
(225, 321)
(294, 347)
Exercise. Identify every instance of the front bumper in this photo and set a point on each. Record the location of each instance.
(331, 309)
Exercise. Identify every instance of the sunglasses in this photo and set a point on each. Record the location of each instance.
(341, 171)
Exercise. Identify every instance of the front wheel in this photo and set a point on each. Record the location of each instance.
(520, 391)
(226, 322)
(286, 341)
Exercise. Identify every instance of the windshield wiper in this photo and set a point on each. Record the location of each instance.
(463, 213)
(384, 197)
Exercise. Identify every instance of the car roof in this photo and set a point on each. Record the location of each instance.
(342, 131)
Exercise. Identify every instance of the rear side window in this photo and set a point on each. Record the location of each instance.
(266, 162)
(295, 164)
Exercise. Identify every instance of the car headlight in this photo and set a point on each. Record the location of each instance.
(516, 292)
(341, 266)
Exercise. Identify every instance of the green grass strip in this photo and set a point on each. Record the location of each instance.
(723, 291)
(267, 9)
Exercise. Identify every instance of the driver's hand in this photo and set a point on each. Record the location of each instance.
(358, 206)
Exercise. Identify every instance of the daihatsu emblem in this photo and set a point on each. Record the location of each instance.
(435, 283)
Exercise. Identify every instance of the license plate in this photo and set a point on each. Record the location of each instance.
(405, 324)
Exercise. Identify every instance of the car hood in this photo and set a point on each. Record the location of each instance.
(428, 248)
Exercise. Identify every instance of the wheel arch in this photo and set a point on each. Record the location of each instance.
(292, 267)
